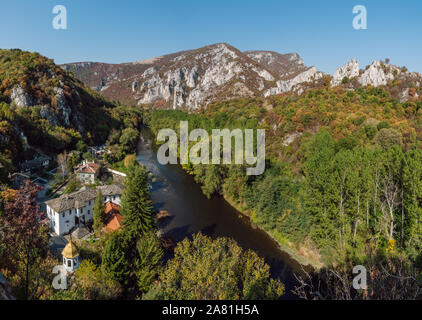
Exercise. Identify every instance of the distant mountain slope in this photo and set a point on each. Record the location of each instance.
(402, 84)
(45, 108)
(283, 65)
(192, 78)
(31, 80)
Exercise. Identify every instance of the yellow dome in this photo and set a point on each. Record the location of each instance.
(70, 251)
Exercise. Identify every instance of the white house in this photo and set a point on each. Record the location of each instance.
(74, 210)
(87, 172)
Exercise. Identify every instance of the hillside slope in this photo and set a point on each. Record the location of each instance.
(335, 159)
(193, 78)
(44, 108)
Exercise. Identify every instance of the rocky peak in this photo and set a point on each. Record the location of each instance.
(378, 74)
(349, 70)
(283, 65)
(402, 84)
(194, 78)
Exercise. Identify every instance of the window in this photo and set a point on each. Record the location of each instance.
(69, 263)
(88, 211)
(63, 214)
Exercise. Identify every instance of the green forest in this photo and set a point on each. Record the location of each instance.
(342, 187)
(346, 190)
(41, 124)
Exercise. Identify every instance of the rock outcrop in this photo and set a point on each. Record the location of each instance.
(348, 71)
(20, 98)
(310, 75)
(194, 78)
(378, 74)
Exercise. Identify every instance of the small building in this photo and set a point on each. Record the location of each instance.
(35, 164)
(70, 255)
(17, 179)
(75, 210)
(87, 172)
(80, 233)
(113, 217)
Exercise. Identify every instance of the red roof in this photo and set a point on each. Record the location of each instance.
(89, 167)
(113, 217)
(111, 208)
(114, 224)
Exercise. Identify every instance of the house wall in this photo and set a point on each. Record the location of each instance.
(63, 222)
(86, 177)
(114, 199)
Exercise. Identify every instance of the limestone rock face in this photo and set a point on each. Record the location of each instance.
(134, 85)
(62, 105)
(194, 78)
(349, 70)
(20, 98)
(378, 74)
(283, 86)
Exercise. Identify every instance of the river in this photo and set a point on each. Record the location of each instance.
(176, 191)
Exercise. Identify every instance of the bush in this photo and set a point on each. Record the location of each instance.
(204, 269)
(387, 137)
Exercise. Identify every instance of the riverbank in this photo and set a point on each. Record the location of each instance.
(301, 255)
(304, 256)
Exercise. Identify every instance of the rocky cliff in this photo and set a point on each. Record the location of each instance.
(402, 84)
(194, 78)
(190, 79)
(46, 108)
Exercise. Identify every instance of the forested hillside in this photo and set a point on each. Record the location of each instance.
(343, 175)
(45, 107)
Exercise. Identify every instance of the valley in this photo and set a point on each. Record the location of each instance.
(340, 187)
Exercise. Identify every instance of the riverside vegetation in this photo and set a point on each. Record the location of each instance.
(129, 263)
(346, 190)
(342, 186)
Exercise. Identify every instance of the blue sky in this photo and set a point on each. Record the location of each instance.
(121, 31)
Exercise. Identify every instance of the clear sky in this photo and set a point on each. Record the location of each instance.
(117, 31)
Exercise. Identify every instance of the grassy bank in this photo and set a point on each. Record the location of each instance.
(302, 254)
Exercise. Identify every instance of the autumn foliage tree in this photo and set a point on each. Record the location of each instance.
(206, 269)
(25, 240)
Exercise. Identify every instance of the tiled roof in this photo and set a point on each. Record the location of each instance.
(78, 198)
(114, 224)
(111, 190)
(73, 200)
(111, 207)
(89, 167)
(34, 163)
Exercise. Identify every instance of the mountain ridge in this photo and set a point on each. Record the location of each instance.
(191, 79)
(187, 78)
